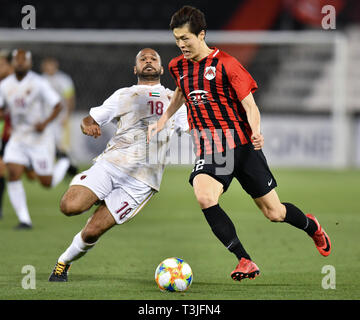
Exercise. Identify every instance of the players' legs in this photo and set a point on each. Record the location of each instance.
(77, 199)
(287, 212)
(15, 171)
(86, 188)
(50, 181)
(49, 173)
(276, 211)
(30, 174)
(60, 169)
(100, 222)
(118, 207)
(45, 181)
(257, 180)
(271, 206)
(16, 192)
(207, 191)
(123, 197)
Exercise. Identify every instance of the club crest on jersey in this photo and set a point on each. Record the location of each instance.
(210, 73)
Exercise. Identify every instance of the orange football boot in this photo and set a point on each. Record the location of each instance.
(321, 239)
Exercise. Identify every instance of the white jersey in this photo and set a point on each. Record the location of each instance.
(64, 86)
(134, 108)
(29, 102)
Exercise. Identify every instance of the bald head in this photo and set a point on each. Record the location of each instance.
(148, 66)
(147, 51)
(21, 52)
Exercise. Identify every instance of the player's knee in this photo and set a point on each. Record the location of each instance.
(46, 184)
(44, 180)
(72, 204)
(205, 200)
(274, 214)
(91, 233)
(69, 207)
(13, 175)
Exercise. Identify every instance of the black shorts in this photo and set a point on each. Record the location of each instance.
(247, 165)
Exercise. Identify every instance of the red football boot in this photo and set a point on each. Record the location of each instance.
(245, 269)
(321, 239)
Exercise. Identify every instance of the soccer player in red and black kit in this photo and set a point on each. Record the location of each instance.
(225, 124)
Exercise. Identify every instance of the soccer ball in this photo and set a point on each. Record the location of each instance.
(174, 275)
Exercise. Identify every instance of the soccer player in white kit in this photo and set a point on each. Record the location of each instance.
(129, 171)
(33, 105)
(64, 86)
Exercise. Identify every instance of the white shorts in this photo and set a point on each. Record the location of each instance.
(40, 157)
(124, 195)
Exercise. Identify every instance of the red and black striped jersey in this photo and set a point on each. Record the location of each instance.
(213, 89)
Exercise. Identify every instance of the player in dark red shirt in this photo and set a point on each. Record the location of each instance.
(225, 124)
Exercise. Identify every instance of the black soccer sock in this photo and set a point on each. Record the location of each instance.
(224, 230)
(298, 219)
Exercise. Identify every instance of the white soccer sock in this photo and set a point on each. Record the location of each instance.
(18, 200)
(61, 167)
(76, 250)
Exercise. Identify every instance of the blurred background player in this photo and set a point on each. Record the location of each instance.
(125, 176)
(5, 125)
(32, 105)
(64, 86)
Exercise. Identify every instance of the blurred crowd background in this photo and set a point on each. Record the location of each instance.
(155, 14)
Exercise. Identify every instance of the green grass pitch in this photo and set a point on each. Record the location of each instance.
(122, 264)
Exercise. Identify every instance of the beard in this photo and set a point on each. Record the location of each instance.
(149, 75)
(21, 72)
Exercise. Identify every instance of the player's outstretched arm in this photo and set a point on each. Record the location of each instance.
(176, 102)
(89, 127)
(39, 127)
(253, 115)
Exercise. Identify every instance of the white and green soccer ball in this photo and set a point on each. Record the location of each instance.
(174, 275)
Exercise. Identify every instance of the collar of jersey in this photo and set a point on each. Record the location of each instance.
(149, 86)
(210, 55)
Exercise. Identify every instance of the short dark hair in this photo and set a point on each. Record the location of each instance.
(188, 14)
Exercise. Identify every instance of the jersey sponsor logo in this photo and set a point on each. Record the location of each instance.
(198, 96)
(83, 177)
(210, 73)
